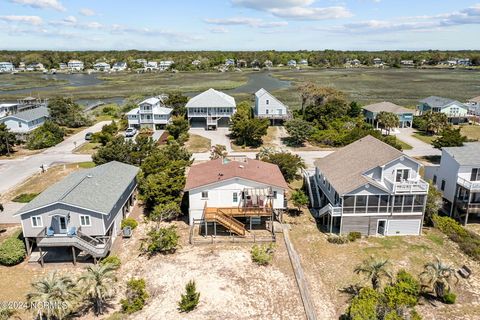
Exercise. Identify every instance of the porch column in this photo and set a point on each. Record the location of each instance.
(41, 256)
(29, 248)
(206, 228)
(468, 207)
(215, 228)
(331, 223)
(74, 255)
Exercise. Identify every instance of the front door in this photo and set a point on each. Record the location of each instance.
(381, 226)
(62, 224)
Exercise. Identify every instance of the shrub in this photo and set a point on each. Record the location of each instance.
(136, 296)
(12, 251)
(354, 235)
(262, 255)
(163, 240)
(449, 298)
(45, 136)
(337, 239)
(364, 306)
(190, 299)
(129, 222)
(112, 260)
(25, 197)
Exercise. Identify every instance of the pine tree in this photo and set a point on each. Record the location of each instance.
(190, 299)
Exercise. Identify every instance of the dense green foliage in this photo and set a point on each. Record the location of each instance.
(245, 129)
(298, 130)
(25, 197)
(433, 205)
(12, 251)
(289, 163)
(177, 102)
(388, 120)
(162, 178)
(106, 134)
(354, 236)
(125, 150)
(218, 151)
(469, 242)
(430, 122)
(135, 297)
(161, 240)
(7, 140)
(165, 211)
(45, 136)
(396, 302)
(190, 299)
(450, 298)
(178, 128)
(65, 112)
(209, 59)
(129, 222)
(299, 198)
(114, 261)
(262, 254)
(97, 285)
(337, 239)
(449, 137)
(375, 271)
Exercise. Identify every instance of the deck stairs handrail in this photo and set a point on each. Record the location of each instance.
(334, 211)
(227, 221)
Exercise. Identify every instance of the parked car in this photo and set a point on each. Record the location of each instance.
(89, 136)
(130, 132)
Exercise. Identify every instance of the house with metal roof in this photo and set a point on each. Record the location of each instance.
(474, 106)
(151, 113)
(101, 67)
(232, 195)
(119, 66)
(211, 109)
(405, 116)
(458, 178)
(26, 121)
(269, 107)
(6, 67)
(368, 187)
(82, 212)
(75, 65)
(456, 111)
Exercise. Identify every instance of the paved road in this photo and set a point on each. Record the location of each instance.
(15, 171)
(420, 148)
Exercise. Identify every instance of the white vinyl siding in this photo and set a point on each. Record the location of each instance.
(403, 227)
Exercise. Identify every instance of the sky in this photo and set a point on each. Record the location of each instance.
(239, 24)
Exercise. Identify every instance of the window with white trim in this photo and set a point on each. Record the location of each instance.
(37, 222)
(235, 197)
(85, 221)
(401, 175)
(204, 194)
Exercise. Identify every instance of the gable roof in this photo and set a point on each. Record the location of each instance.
(211, 98)
(468, 154)
(440, 102)
(388, 107)
(97, 189)
(262, 92)
(218, 170)
(29, 115)
(345, 168)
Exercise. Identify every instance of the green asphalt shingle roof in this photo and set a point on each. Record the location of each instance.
(97, 189)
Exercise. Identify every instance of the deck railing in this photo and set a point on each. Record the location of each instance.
(470, 185)
(407, 186)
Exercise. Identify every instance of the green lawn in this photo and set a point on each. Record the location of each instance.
(424, 137)
(471, 131)
(198, 143)
(87, 148)
(405, 146)
(86, 165)
(25, 197)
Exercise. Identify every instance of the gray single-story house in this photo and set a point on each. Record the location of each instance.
(83, 211)
(405, 116)
(26, 121)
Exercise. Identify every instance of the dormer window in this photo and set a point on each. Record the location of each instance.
(401, 175)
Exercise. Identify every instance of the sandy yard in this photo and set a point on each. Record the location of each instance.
(231, 286)
(329, 267)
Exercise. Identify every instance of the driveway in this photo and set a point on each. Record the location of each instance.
(15, 171)
(9, 209)
(420, 148)
(219, 136)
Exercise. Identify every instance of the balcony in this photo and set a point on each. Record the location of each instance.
(407, 186)
(470, 185)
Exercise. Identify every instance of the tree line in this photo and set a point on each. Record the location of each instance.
(208, 59)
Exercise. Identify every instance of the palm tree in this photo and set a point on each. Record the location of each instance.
(388, 120)
(438, 276)
(54, 296)
(374, 270)
(97, 283)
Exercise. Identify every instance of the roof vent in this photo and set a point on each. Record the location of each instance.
(89, 176)
(241, 166)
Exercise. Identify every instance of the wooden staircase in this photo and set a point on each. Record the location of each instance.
(228, 222)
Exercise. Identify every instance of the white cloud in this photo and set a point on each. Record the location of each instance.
(87, 12)
(32, 20)
(41, 4)
(241, 21)
(218, 30)
(295, 9)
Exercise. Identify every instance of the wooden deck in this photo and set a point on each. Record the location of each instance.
(240, 211)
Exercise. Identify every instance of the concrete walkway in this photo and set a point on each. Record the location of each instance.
(15, 171)
(300, 277)
(420, 148)
(219, 136)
